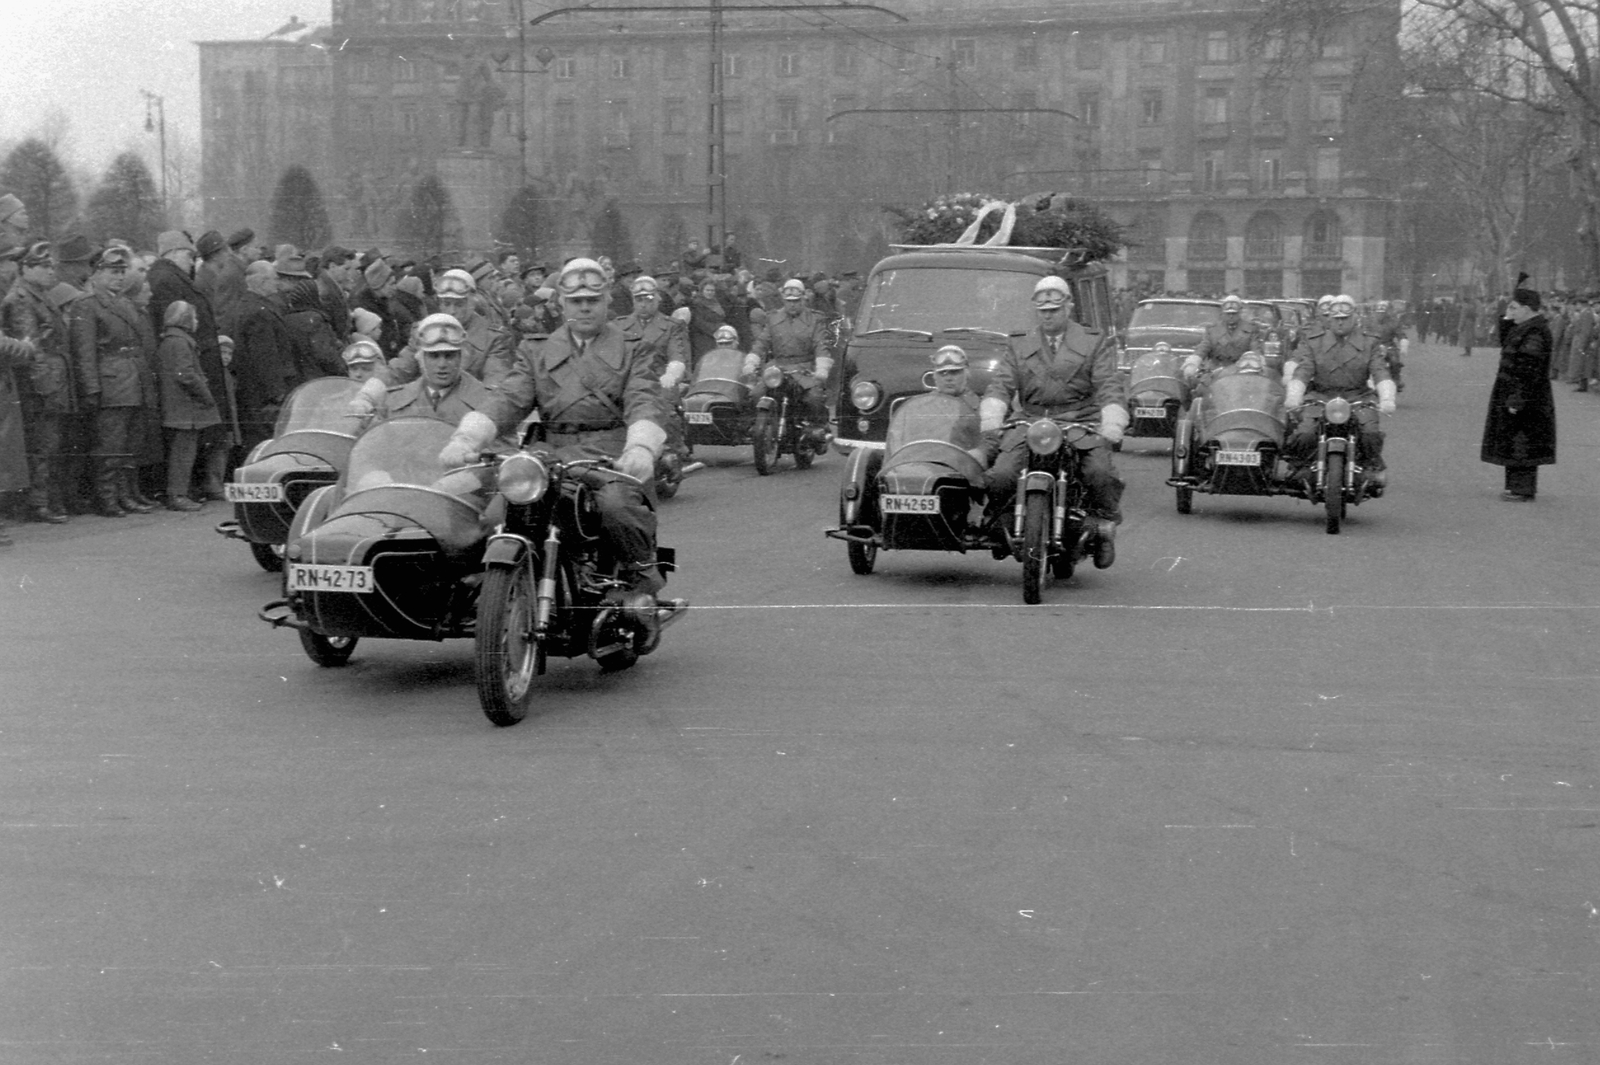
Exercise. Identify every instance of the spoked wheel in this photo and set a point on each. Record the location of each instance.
(507, 655)
(1333, 493)
(862, 557)
(267, 556)
(1185, 500)
(328, 651)
(764, 442)
(1035, 545)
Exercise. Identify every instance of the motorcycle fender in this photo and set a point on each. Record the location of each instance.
(857, 476)
(767, 403)
(1039, 481)
(1335, 445)
(506, 549)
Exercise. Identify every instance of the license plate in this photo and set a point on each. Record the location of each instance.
(909, 504)
(698, 417)
(234, 492)
(1238, 458)
(309, 578)
(1149, 412)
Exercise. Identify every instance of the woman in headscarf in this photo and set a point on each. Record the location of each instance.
(187, 405)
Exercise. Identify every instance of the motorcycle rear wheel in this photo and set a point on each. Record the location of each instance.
(764, 442)
(1185, 500)
(507, 658)
(1035, 545)
(862, 557)
(267, 556)
(1333, 493)
(327, 651)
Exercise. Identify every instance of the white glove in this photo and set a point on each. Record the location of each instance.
(1113, 420)
(751, 363)
(637, 462)
(824, 367)
(991, 413)
(1405, 345)
(468, 441)
(1386, 397)
(1294, 393)
(360, 406)
(981, 455)
(683, 314)
(672, 374)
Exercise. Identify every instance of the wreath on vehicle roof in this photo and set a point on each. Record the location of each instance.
(1043, 220)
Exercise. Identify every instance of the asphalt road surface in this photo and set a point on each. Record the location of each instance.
(1257, 795)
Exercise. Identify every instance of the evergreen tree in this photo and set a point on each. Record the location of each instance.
(34, 173)
(609, 235)
(525, 225)
(299, 216)
(427, 217)
(126, 204)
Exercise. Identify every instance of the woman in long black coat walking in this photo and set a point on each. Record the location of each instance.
(1520, 430)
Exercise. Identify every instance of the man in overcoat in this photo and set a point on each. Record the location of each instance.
(1341, 362)
(796, 338)
(112, 342)
(1223, 344)
(47, 389)
(1519, 431)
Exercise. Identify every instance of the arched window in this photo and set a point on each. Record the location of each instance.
(1263, 237)
(1208, 238)
(1324, 240)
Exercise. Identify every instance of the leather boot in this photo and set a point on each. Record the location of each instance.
(128, 489)
(137, 493)
(107, 476)
(1105, 548)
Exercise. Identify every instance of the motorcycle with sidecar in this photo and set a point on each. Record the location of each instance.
(1231, 440)
(1157, 392)
(782, 425)
(718, 408)
(506, 551)
(310, 445)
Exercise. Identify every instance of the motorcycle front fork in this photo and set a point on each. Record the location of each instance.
(1058, 510)
(545, 600)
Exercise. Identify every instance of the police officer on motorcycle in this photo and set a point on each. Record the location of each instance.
(1340, 362)
(1223, 344)
(796, 338)
(597, 397)
(1060, 370)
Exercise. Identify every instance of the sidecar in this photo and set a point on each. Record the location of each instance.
(918, 493)
(1230, 440)
(310, 445)
(1157, 392)
(393, 549)
(718, 408)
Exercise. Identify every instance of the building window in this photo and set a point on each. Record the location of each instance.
(1327, 170)
(675, 115)
(1150, 169)
(1322, 237)
(408, 121)
(674, 170)
(1208, 239)
(1331, 47)
(1090, 48)
(565, 118)
(788, 112)
(1214, 106)
(1089, 108)
(845, 60)
(789, 65)
(1263, 237)
(964, 52)
(1329, 105)
(675, 63)
(733, 116)
(839, 129)
(1024, 100)
(1274, 45)
(621, 66)
(732, 65)
(405, 70)
(566, 67)
(1272, 104)
(1153, 48)
(618, 125)
(1217, 47)
(1151, 107)
(366, 120)
(1271, 172)
(1211, 171)
(1028, 55)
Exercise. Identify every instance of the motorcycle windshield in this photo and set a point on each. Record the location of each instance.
(1234, 389)
(319, 406)
(1153, 364)
(404, 453)
(720, 364)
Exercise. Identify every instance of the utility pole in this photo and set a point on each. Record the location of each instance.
(716, 120)
(160, 104)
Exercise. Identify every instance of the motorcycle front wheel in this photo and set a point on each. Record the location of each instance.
(1035, 544)
(862, 557)
(1333, 493)
(268, 556)
(507, 656)
(327, 651)
(764, 442)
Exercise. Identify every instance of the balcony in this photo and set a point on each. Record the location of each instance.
(1323, 250)
(1213, 131)
(1269, 129)
(1264, 249)
(1208, 251)
(786, 138)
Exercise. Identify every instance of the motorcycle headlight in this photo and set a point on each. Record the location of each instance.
(522, 478)
(1044, 437)
(1336, 410)
(864, 395)
(1163, 348)
(772, 376)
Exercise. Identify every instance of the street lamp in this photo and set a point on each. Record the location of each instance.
(151, 124)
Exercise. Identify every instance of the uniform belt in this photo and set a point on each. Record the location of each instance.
(1058, 412)
(569, 428)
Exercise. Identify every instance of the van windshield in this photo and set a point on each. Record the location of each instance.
(935, 299)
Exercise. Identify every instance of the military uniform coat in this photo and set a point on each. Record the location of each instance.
(111, 346)
(45, 381)
(414, 400)
(662, 337)
(586, 395)
(793, 339)
(1222, 346)
(1520, 429)
(1074, 382)
(14, 357)
(1331, 365)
